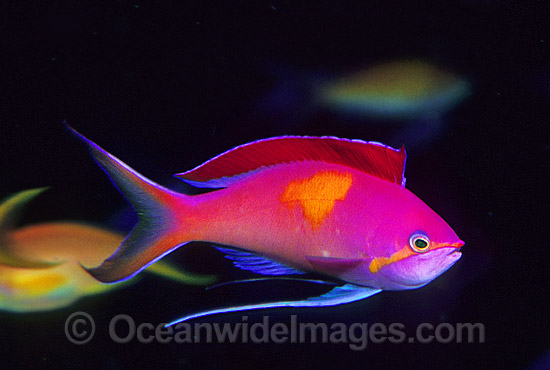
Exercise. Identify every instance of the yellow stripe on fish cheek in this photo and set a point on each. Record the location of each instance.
(317, 194)
(379, 262)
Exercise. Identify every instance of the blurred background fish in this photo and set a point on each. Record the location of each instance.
(401, 89)
(410, 97)
(40, 264)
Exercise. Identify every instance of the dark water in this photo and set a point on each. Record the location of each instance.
(167, 86)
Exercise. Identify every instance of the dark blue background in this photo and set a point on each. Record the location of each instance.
(167, 85)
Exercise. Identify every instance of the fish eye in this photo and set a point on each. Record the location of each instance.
(419, 242)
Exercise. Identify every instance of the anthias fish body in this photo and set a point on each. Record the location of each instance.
(330, 219)
(332, 206)
(40, 264)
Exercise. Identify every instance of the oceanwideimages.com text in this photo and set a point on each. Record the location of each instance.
(123, 329)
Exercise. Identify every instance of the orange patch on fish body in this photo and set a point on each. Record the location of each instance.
(317, 194)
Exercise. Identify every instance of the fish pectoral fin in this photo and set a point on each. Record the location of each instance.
(334, 265)
(339, 295)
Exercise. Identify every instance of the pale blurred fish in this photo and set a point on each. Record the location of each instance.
(40, 264)
(403, 89)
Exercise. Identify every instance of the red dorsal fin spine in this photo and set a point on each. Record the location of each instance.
(372, 158)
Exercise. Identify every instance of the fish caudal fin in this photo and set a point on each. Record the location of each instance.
(158, 231)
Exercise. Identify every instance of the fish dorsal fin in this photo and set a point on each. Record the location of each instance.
(372, 158)
(258, 264)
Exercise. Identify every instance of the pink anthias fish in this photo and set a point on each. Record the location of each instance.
(290, 205)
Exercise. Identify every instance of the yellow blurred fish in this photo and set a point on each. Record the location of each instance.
(40, 265)
(405, 90)
(402, 89)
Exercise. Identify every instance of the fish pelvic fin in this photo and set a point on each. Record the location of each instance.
(160, 228)
(339, 295)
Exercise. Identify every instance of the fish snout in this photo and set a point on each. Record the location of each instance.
(457, 245)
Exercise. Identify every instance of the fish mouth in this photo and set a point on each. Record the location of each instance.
(452, 247)
(457, 245)
(433, 263)
(453, 255)
(455, 248)
(454, 252)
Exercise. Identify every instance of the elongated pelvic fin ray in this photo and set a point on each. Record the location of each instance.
(340, 295)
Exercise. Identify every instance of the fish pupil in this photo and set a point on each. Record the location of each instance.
(421, 244)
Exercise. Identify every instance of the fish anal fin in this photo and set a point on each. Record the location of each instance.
(258, 264)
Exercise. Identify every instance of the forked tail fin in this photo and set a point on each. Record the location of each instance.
(158, 231)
